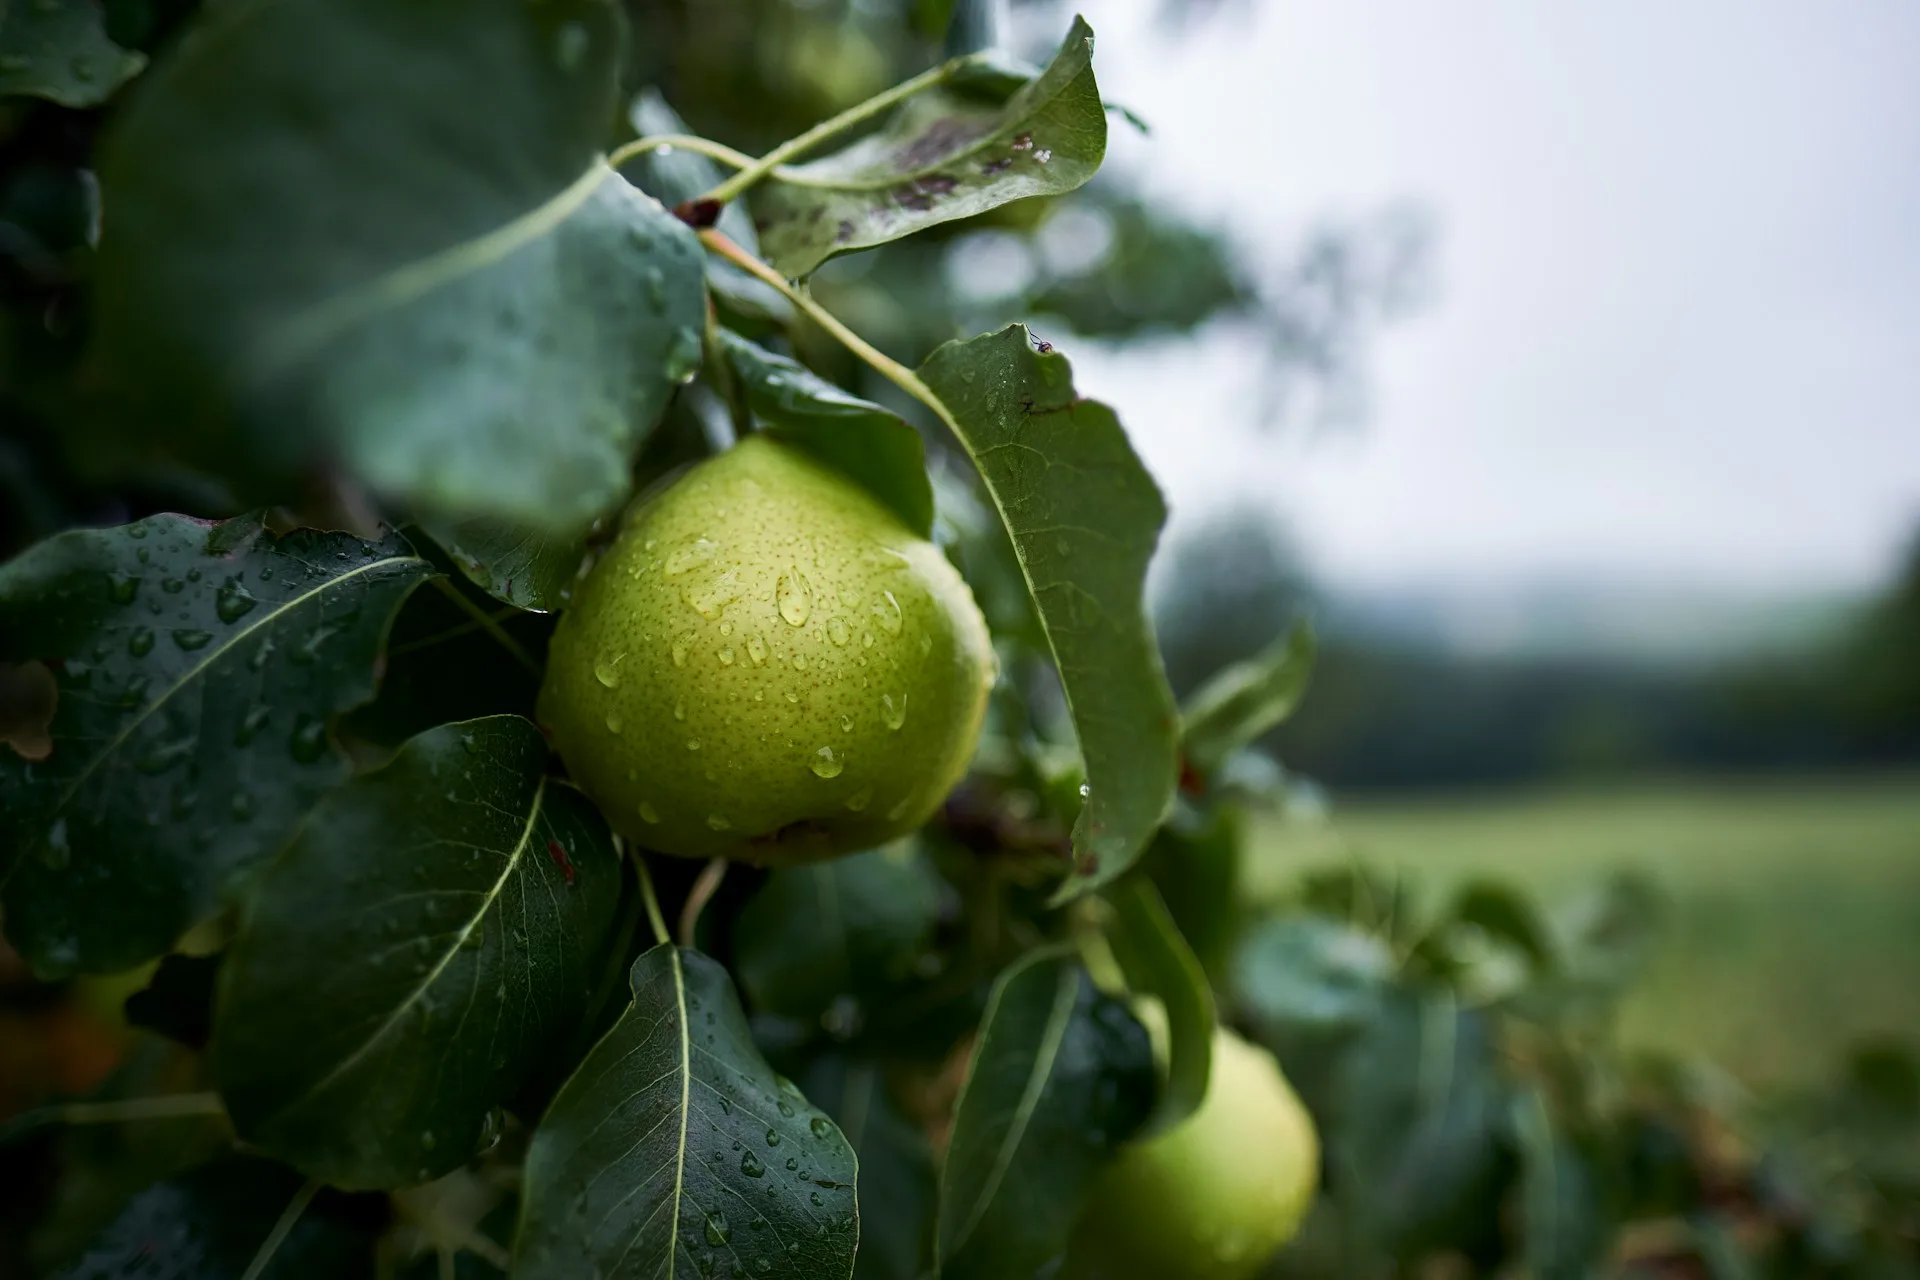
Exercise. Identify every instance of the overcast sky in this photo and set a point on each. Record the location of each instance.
(1677, 332)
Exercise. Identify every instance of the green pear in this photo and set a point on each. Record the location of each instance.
(1213, 1197)
(767, 665)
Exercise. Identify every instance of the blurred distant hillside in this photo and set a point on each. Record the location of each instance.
(1431, 687)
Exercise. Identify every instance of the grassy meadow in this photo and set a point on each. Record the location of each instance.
(1793, 921)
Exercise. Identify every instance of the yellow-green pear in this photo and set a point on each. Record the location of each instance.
(1214, 1197)
(768, 665)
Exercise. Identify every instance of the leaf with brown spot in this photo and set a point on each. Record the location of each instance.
(945, 155)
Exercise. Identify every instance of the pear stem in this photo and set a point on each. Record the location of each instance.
(654, 918)
(699, 896)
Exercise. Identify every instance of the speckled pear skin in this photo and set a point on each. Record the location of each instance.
(1214, 1197)
(767, 665)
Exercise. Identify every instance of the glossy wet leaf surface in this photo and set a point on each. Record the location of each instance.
(871, 444)
(1061, 1075)
(433, 928)
(60, 51)
(945, 155)
(198, 666)
(433, 279)
(522, 564)
(1085, 517)
(676, 1151)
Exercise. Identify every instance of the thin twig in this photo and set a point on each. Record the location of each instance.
(654, 918)
(702, 893)
(277, 1236)
(685, 142)
(487, 624)
(885, 365)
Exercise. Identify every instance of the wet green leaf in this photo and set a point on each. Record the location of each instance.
(872, 445)
(943, 156)
(1061, 1075)
(524, 565)
(431, 930)
(1084, 516)
(433, 279)
(675, 1150)
(849, 927)
(1158, 962)
(59, 50)
(1238, 705)
(198, 666)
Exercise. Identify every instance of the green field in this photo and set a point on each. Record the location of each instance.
(1793, 920)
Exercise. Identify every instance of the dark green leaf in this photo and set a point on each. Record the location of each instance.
(1307, 986)
(1307, 971)
(849, 927)
(198, 667)
(1195, 862)
(1239, 704)
(896, 1169)
(675, 175)
(209, 1225)
(1158, 962)
(872, 445)
(1565, 1234)
(432, 928)
(431, 275)
(1084, 516)
(1061, 1075)
(943, 156)
(675, 1150)
(1505, 914)
(59, 50)
(522, 564)
(1414, 1140)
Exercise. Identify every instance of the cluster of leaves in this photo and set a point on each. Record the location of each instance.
(254, 749)
(390, 268)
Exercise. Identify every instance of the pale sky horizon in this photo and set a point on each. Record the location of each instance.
(1676, 334)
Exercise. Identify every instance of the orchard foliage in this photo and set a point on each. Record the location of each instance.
(339, 334)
